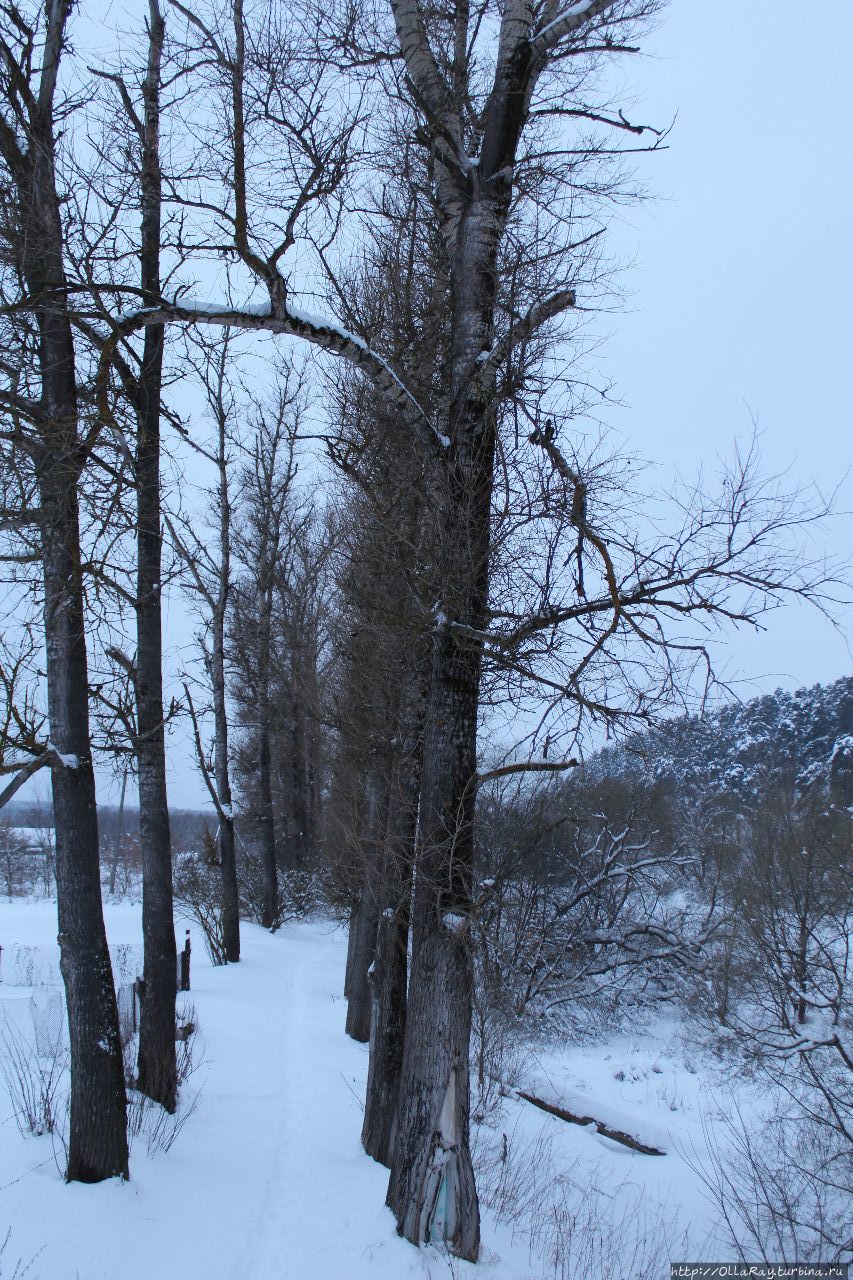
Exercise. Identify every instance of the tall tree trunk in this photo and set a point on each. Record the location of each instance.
(367, 914)
(230, 895)
(301, 798)
(432, 1189)
(389, 974)
(269, 914)
(227, 847)
(353, 913)
(387, 978)
(363, 947)
(157, 1072)
(119, 833)
(97, 1143)
(227, 844)
(270, 909)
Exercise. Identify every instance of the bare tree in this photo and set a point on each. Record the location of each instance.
(44, 403)
(266, 537)
(157, 1070)
(504, 118)
(209, 576)
(157, 1074)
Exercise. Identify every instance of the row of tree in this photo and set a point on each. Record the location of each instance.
(438, 177)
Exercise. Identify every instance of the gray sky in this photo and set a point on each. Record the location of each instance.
(740, 283)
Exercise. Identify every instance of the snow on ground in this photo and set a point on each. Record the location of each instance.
(268, 1179)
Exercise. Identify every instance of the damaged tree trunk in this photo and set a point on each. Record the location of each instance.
(431, 1189)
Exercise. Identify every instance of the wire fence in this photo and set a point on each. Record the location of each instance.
(42, 1015)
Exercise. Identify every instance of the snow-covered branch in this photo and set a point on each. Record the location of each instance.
(565, 22)
(523, 329)
(284, 318)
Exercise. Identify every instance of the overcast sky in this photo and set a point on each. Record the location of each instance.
(743, 275)
(741, 279)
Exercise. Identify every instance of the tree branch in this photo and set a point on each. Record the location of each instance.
(532, 766)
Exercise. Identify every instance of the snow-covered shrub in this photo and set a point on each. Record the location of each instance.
(497, 1052)
(781, 1180)
(582, 906)
(793, 904)
(150, 1124)
(26, 860)
(778, 1005)
(300, 893)
(147, 1122)
(188, 1061)
(198, 892)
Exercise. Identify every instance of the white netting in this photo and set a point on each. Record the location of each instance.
(30, 966)
(126, 1019)
(23, 965)
(49, 1024)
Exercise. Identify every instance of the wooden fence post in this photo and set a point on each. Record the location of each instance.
(185, 964)
(138, 993)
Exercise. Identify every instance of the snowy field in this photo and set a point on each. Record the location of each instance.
(267, 1178)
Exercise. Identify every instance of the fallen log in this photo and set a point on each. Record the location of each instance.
(605, 1130)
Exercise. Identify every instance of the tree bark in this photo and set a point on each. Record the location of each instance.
(367, 912)
(270, 910)
(387, 978)
(227, 848)
(119, 831)
(156, 1066)
(351, 932)
(363, 948)
(389, 975)
(97, 1144)
(301, 799)
(431, 1188)
(230, 895)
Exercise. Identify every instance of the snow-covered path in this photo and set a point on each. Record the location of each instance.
(318, 1206)
(267, 1179)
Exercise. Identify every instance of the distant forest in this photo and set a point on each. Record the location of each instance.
(801, 738)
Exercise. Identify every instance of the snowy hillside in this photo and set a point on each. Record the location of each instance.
(805, 736)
